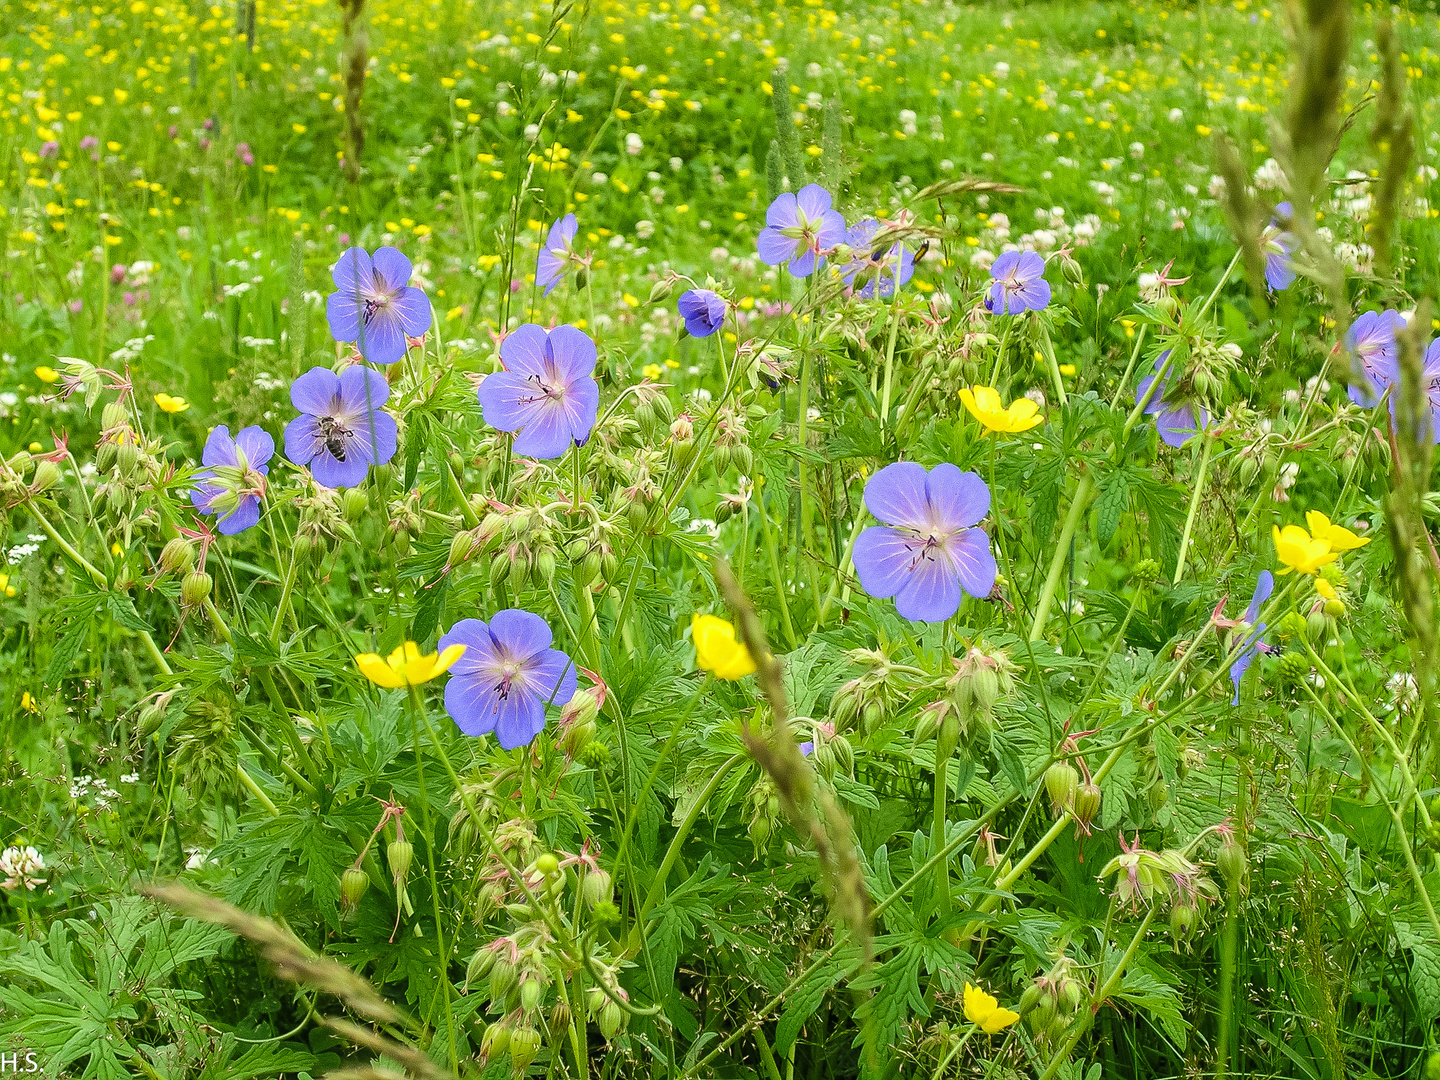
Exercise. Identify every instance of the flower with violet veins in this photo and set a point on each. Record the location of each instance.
(1175, 421)
(406, 666)
(1017, 284)
(1278, 244)
(171, 404)
(888, 269)
(1298, 550)
(233, 481)
(798, 226)
(1430, 384)
(375, 305)
(983, 403)
(1337, 536)
(508, 675)
(716, 649)
(1253, 643)
(702, 310)
(1371, 343)
(547, 391)
(927, 554)
(341, 431)
(985, 1012)
(556, 253)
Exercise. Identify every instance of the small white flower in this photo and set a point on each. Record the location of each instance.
(633, 144)
(1176, 115)
(21, 866)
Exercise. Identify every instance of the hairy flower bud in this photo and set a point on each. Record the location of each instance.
(177, 556)
(354, 883)
(354, 503)
(1061, 783)
(113, 415)
(400, 854)
(1230, 861)
(611, 1019)
(1087, 805)
(597, 887)
(47, 475)
(1145, 572)
(460, 547)
(661, 290)
(524, 1045)
(195, 588)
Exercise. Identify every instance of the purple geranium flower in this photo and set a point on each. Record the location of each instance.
(702, 310)
(1279, 243)
(1264, 586)
(547, 391)
(341, 431)
(927, 553)
(507, 676)
(1175, 421)
(374, 305)
(233, 481)
(887, 268)
(807, 748)
(798, 226)
(1017, 283)
(1430, 383)
(556, 253)
(1371, 342)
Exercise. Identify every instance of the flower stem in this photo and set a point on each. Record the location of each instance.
(778, 579)
(1206, 447)
(944, 748)
(889, 361)
(471, 520)
(1078, 505)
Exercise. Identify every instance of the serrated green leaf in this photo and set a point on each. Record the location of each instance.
(1110, 506)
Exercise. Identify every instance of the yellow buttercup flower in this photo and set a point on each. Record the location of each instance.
(27, 703)
(716, 649)
(405, 666)
(1298, 550)
(983, 402)
(983, 1010)
(1337, 536)
(171, 404)
(46, 374)
(1325, 589)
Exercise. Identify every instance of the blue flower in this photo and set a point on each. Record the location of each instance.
(887, 268)
(341, 431)
(1279, 243)
(1371, 343)
(556, 253)
(798, 227)
(1254, 641)
(375, 305)
(547, 391)
(1017, 283)
(702, 310)
(233, 482)
(1174, 420)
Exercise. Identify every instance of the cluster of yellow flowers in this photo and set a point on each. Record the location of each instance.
(1307, 551)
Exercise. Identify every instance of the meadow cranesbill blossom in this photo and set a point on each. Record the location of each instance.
(547, 391)
(798, 227)
(716, 649)
(341, 431)
(1175, 421)
(556, 253)
(1254, 640)
(1371, 343)
(702, 310)
(375, 305)
(882, 270)
(1017, 283)
(509, 673)
(233, 481)
(1430, 384)
(927, 553)
(1278, 244)
(407, 666)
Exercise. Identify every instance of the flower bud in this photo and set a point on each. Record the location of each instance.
(547, 864)
(1030, 998)
(354, 503)
(302, 547)
(531, 991)
(597, 887)
(760, 832)
(1230, 861)
(1087, 804)
(47, 475)
(479, 966)
(524, 1045)
(582, 708)
(1071, 996)
(611, 1020)
(1183, 920)
(1317, 624)
(1145, 572)
(661, 290)
(1061, 782)
(1072, 270)
(545, 565)
(460, 547)
(1333, 608)
(1044, 1013)
(104, 457)
(400, 854)
(127, 456)
(495, 1041)
(354, 883)
(177, 556)
(195, 588)
(113, 415)
(503, 978)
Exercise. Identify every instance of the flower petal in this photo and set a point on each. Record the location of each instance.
(353, 271)
(378, 671)
(932, 593)
(524, 350)
(392, 268)
(479, 647)
(412, 308)
(974, 562)
(522, 634)
(573, 352)
(956, 499)
(896, 494)
(316, 392)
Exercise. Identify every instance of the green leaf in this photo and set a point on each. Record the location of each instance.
(1110, 506)
(65, 651)
(430, 609)
(805, 999)
(123, 609)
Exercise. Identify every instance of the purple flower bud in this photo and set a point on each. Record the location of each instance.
(117, 273)
(49, 149)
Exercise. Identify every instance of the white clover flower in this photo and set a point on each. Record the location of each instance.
(1216, 187)
(21, 866)
(1137, 150)
(813, 70)
(1052, 137)
(698, 11)
(1002, 70)
(633, 144)
(1269, 176)
(1175, 116)
(644, 229)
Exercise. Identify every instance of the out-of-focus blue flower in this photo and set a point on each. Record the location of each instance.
(798, 227)
(1371, 343)
(547, 391)
(341, 431)
(1430, 383)
(702, 310)
(1174, 420)
(556, 253)
(509, 673)
(233, 481)
(807, 748)
(882, 270)
(927, 554)
(1279, 244)
(1017, 283)
(1254, 640)
(375, 305)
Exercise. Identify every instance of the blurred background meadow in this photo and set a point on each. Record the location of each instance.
(177, 182)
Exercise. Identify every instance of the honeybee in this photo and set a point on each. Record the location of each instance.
(334, 435)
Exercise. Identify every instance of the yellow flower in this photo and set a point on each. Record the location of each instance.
(1337, 536)
(27, 703)
(983, 1010)
(46, 374)
(1325, 589)
(1298, 550)
(171, 404)
(651, 371)
(717, 650)
(405, 666)
(5, 586)
(984, 404)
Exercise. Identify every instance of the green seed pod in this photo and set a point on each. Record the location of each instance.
(597, 888)
(1232, 864)
(104, 457)
(479, 966)
(531, 991)
(47, 475)
(545, 565)
(1183, 920)
(661, 290)
(1061, 782)
(1071, 996)
(461, 546)
(177, 556)
(113, 415)
(596, 756)
(612, 1019)
(354, 883)
(127, 456)
(355, 502)
(1145, 572)
(400, 854)
(195, 588)
(1087, 803)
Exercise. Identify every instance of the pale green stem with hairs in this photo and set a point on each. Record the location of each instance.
(1207, 446)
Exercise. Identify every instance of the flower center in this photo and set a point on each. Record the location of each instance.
(509, 673)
